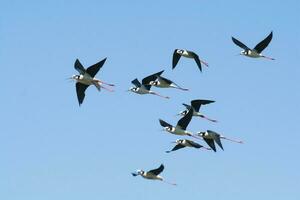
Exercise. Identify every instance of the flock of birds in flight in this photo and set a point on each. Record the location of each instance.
(86, 78)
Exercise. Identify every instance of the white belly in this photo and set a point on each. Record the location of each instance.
(85, 79)
(142, 90)
(253, 54)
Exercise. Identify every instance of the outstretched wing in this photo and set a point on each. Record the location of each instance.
(197, 60)
(263, 44)
(196, 104)
(216, 137)
(80, 90)
(210, 143)
(136, 82)
(240, 44)
(194, 144)
(157, 171)
(93, 70)
(78, 66)
(187, 106)
(176, 58)
(163, 79)
(178, 146)
(164, 124)
(185, 120)
(150, 78)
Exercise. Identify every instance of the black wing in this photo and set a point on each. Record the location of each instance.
(240, 44)
(210, 143)
(187, 106)
(176, 58)
(178, 146)
(196, 104)
(165, 80)
(164, 124)
(185, 120)
(93, 70)
(78, 66)
(80, 90)
(216, 138)
(157, 171)
(197, 60)
(263, 44)
(194, 144)
(136, 83)
(150, 78)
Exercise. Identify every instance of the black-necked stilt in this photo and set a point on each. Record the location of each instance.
(144, 88)
(196, 104)
(86, 78)
(256, 51)
(163, 82)
(181, 143)
(152, 174)
(188, 54)
(180, 128)
(210, 137)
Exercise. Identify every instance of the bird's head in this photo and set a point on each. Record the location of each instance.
(183, 113)
(75, 77)
(179, 51)
(243, 52)
(132, 89)
(201, 134)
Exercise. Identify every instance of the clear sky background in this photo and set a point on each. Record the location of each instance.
(50, 148)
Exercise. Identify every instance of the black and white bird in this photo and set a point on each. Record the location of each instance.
(188, 54)
(145, 87)
(180, 128)
(196, 104)
(163, 82)
(210, 137)
(256, 51)
(181, 143)
(152, 174)
(86, 78)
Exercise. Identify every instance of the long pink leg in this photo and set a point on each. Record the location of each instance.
(269, 58)
(180, 88)
(154, 93)
(109, 84)
(205, 148)
(169, 183)
(232, 140)
(108, 89)
(212, 120)
(205, 63)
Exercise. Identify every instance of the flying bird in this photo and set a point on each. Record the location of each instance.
(196, 104)
(256, 51)
(188, 54)
(180, 128)
(152, 174)
(144, 87)
(210, 137)
(163, 82)
(180, 143)
(86, 78)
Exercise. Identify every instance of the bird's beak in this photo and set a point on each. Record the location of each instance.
(134, 174)
(173, 142)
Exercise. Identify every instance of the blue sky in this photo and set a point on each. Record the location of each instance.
(50, 148)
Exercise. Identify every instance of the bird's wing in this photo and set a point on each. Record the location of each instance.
(78, 66)
(176, 58)
(240, 44)
(80, 90)
(197, 60)
(164, 124)
(218, 141)
(178, 146)
(263, 44)
(196, 104)
(136, 83)
(185, 120)
(210, 143)
(93, 70)
(157, 171)
(194, 144)
(165, 80)
(187, 106)
(150, 78)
